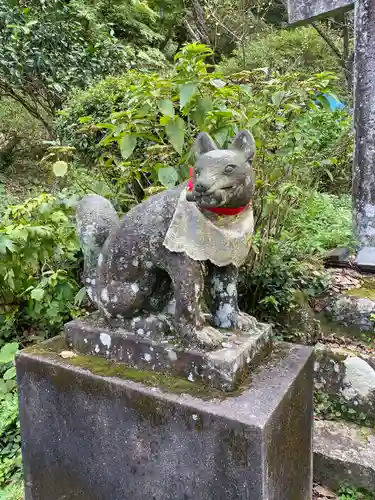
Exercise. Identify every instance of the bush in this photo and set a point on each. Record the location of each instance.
(283, 265)
(285, 51)
(21, 135)
(10, 442)
(151, 122)
(38, 268)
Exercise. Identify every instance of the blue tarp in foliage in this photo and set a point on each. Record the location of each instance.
(333, 102)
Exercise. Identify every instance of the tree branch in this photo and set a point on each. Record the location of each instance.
(330, 43)
(9, 92)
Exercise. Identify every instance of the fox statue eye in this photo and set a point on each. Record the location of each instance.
(229, 169)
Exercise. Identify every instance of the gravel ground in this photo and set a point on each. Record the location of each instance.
(323, 493)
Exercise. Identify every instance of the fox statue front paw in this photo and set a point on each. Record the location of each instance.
(244, 322)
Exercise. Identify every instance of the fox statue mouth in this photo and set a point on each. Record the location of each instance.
(210, 198)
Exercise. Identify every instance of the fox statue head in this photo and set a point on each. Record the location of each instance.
(223, 177)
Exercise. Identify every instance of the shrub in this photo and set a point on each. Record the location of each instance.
(21, 135)
(10, 442)
(282, 265)
(347, 493)
(38, 268)
(152, 121)
(286, 50)
(47, 49)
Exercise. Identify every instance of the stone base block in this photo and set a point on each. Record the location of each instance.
(365, 259)
(344, 455)
(338, 257)
(88, 436)
(151, 349)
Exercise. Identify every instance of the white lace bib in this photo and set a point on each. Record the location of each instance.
(223, 240)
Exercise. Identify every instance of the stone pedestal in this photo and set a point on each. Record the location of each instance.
(90, 433)
(144, 344)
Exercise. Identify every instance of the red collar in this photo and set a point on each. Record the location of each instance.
(217, 210)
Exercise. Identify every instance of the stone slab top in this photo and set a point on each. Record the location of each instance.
(252, 404)
(307, 11)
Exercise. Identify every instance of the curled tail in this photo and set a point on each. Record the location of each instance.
(96, 218)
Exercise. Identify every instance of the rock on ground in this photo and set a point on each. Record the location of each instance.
(344, 454)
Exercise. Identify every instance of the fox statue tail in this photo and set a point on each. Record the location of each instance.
(96, 218)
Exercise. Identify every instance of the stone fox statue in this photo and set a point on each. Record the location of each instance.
(176, 245)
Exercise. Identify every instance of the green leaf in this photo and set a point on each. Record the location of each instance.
(80, 296)
(6, 244)
(187, 91)
(59, 216)
(175, 130)
(8, 351)
(37, 294)
(204, 106)
(277, 97)
(127, 145)
(221, 136)
(168, 176)
(164, 120)
(10, 385)
(60, 168)
(166, 107)
(247, 89)
(108, 126)
(253, 121)
(10, 373)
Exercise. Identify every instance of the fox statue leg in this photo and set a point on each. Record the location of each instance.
(188, 286)
(224, 306)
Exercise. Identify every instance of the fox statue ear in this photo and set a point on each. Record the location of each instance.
(244, 142)
(204, 143)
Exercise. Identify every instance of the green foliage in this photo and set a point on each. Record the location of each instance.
(154, 117)
(46, 49)
(13, 491)
(139, 123)
(346, 493)
(321, 222)
(285, 262)
(10, 447)
(38, 267)
(301, 49)
(330, 407)
(20, 136)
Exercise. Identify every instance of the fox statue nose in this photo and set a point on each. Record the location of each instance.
(200, 187)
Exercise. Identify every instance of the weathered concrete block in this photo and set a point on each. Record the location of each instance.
(365, 259)
(338, 257)
(306, 11)
(344, 454)
(93, 437)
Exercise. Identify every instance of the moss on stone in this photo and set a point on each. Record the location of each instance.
(363, 292)
(333, 407)
(368, 283)
(330, 327)
(55, 345)
(107, 368)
